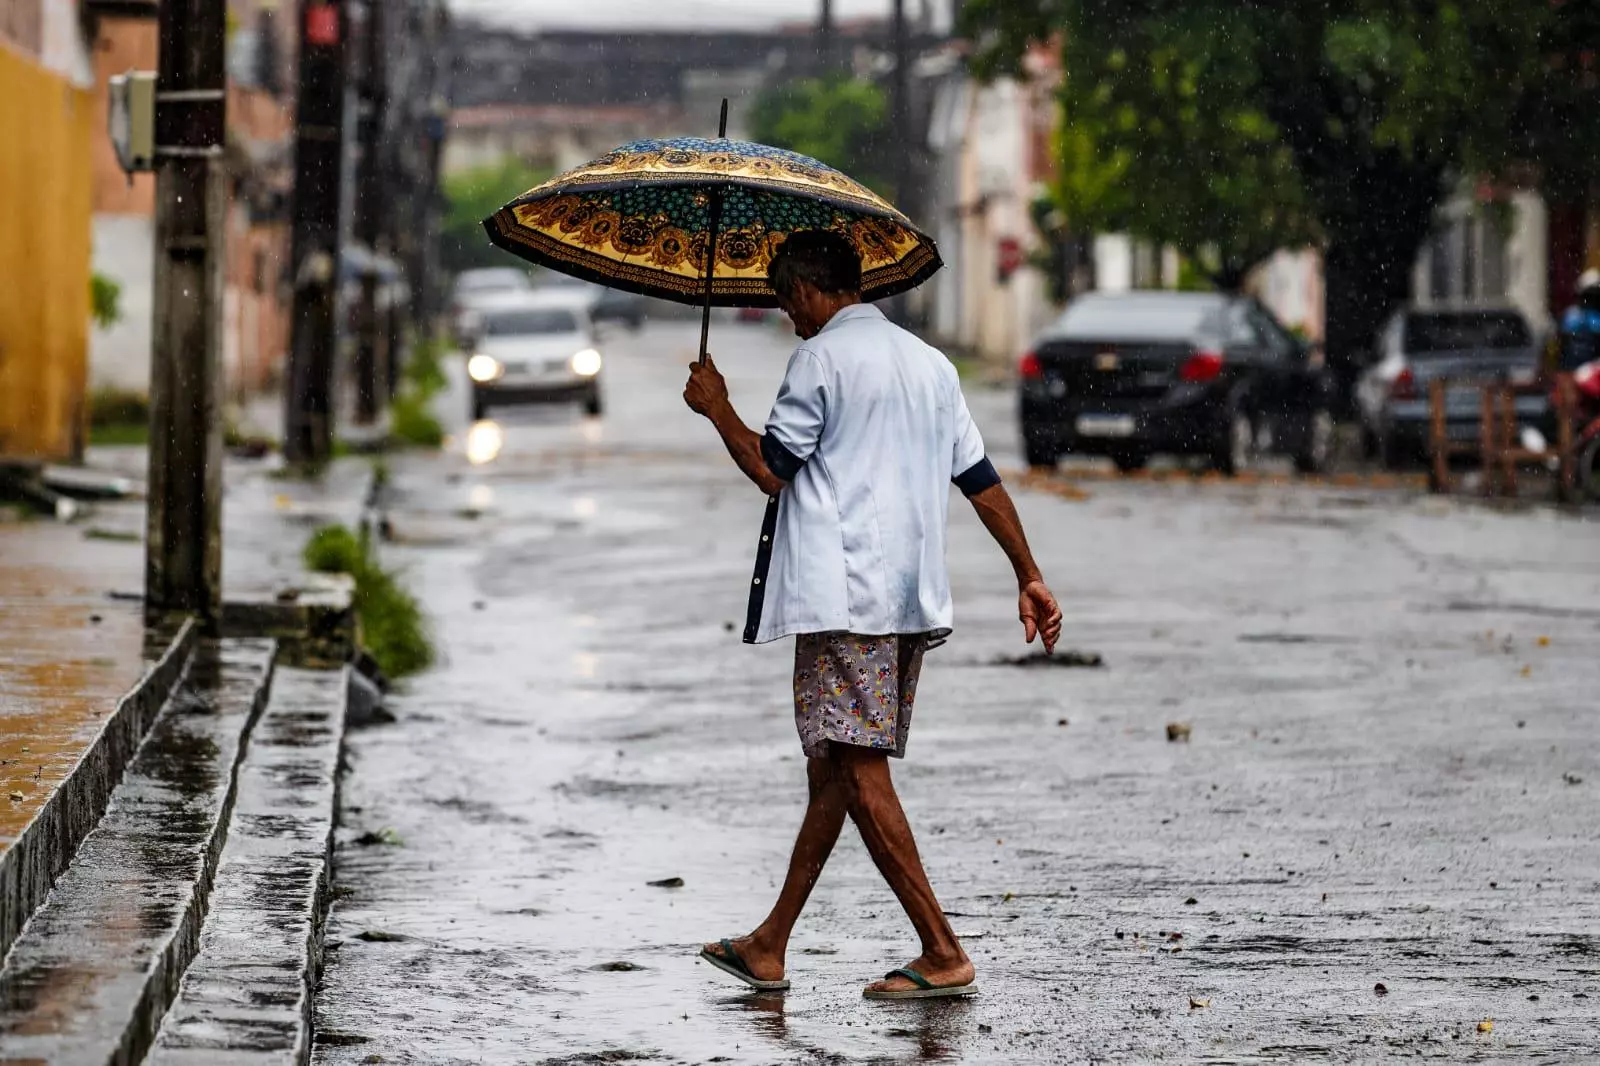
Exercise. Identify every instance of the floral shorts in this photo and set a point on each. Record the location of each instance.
(852, 689)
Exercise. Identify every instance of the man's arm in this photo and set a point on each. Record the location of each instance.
(1036, 606)
(707, 394)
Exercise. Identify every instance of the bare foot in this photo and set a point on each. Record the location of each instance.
(947, 973)
(763, 963)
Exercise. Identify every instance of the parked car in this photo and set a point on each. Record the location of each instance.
(1127, 375)
(1416, 347)
(534, 347)
(603, 303)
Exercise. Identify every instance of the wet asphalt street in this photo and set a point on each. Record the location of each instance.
(1390, 777)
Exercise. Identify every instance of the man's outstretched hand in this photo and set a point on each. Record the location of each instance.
(1040, 615)
(706, 390)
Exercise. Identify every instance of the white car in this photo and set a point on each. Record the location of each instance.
(535, 347)
(473, 287)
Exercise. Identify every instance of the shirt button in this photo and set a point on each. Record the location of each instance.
(758, 581)
(765, 539)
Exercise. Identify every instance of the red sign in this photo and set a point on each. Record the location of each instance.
(322, 25)
(1009, 256)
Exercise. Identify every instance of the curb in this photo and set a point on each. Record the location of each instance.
(44, 850)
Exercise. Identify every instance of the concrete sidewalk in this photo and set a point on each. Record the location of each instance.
(119, 768)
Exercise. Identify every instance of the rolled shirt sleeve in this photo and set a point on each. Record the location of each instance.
(795, 425)
(970, 468)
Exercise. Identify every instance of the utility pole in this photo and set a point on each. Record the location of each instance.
(318, 173)
(825, 38)
(183, 544)
(372, 339)
(900, 124)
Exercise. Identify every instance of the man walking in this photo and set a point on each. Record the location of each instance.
(868, 431)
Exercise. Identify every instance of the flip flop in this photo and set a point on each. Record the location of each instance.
(925, 989)
(731, 963)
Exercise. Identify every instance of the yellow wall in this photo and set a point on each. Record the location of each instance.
(45, 125)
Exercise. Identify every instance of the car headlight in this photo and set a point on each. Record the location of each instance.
(586, 363)
(484, 368)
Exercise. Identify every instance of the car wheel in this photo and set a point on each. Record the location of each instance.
(593, 404)
(1128, 462)
(1369, 443)
(1038, 453)
(1397, 454)
(1312, 456)
(1235, 442)
(1587, 472)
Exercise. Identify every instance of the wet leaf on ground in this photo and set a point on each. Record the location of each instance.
(1571, 778)
(384, 836)
(598, 1058)
(1380, 989)
(1196, 1004)
(620, 966)
(666, 882)
(1486, 1026)
(379, 936)
(1177, 731)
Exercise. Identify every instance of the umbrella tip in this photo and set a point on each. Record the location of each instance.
(722, 123)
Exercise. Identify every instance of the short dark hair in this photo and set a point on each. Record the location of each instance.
(823, 258)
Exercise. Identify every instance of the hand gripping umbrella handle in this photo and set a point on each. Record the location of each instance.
(711, 246)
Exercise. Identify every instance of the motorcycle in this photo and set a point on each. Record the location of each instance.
(1585, 429)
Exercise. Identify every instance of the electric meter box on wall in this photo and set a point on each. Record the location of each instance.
(132, 119)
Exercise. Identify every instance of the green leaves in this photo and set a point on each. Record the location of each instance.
(470, 197)
(841, 121)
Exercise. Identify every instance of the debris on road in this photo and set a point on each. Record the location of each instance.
(1380, 989)
(1071, 657)
(1486, 1026)
(1177, 731)
(379, 936)
(666, 882)
(1197, 1004)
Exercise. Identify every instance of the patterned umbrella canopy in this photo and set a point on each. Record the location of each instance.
(639, 218)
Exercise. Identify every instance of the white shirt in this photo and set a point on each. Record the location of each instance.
(879, 421)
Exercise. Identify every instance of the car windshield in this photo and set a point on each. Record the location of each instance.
(1456, 332)
(482, 281)
(1146, 318)
(530, 320)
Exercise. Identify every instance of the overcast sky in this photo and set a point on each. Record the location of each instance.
(535, 14)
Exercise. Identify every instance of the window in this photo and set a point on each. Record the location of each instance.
(529, 321)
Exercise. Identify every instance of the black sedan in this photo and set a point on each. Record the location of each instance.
(1127, 375)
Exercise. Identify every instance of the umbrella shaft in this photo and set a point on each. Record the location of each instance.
(711, 273)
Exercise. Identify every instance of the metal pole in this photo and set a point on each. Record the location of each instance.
(183, 546)
(319, 169)
(711, 247)
(371, 360)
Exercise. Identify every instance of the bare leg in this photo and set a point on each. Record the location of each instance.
(763, 950)
(875, 808)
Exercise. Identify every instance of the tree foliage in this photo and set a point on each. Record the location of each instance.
(842, 121)
(1245, 125)
(470, 197)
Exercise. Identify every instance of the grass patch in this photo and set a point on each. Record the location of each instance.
(125, 433)
(411, 419)
(412, 422)
(118, 416)
(393, 626)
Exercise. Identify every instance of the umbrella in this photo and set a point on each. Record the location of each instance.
(648, 216)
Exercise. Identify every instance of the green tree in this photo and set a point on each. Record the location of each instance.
(470, 197)
(1239, 126)
(841, 121)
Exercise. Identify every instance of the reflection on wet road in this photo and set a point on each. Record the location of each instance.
(1387, 774)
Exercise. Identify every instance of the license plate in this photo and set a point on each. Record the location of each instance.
(1105, 425)
(554, 366)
